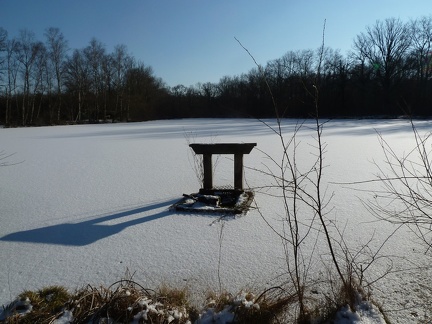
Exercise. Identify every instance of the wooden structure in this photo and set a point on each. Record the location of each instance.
(237, 149)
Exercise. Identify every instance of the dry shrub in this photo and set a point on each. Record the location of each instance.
(42, 306)
(93, 304)
(246, 308)
(336, 296)
(127, 301)
(177, 299)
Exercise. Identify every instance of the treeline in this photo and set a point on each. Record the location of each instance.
(387, 73)
(46, 83)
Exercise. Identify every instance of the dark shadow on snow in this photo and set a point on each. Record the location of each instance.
(87, 232)
(246, 127)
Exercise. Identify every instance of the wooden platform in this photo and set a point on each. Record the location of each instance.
(237, 149)
(216, 201)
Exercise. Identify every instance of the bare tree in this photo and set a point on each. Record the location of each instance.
(94, 54)
(107, 70)
(57, 49)
(276, 76)
(76, 80)
(3, 48)
(27, 50)
(142, 89)
(12, 67)
(421, 35)
(39, 78)
(122, 62)
(420, 60)
(384, 46)
(3, 60)
(208, 90)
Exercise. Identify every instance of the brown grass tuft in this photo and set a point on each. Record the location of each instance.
(42, 306)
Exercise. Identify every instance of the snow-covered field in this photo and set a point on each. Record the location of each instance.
(85, 204)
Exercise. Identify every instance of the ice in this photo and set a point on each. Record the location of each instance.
(86, 204)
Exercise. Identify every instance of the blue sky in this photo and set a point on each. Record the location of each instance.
(190, 41)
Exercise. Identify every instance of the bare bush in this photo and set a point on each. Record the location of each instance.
(306, 203)
(406, 194)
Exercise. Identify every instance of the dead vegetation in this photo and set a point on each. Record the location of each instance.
(126, 301)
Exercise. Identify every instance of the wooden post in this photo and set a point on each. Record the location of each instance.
(238, 171)
(208, 172)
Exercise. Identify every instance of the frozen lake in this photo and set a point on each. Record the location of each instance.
(85, 204)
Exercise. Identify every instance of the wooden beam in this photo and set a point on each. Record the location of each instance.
(223, 148)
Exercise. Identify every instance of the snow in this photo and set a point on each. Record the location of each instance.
(85, 204)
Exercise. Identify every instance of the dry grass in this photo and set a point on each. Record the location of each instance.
(246, 307)
(42, 306)
(128, 302)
